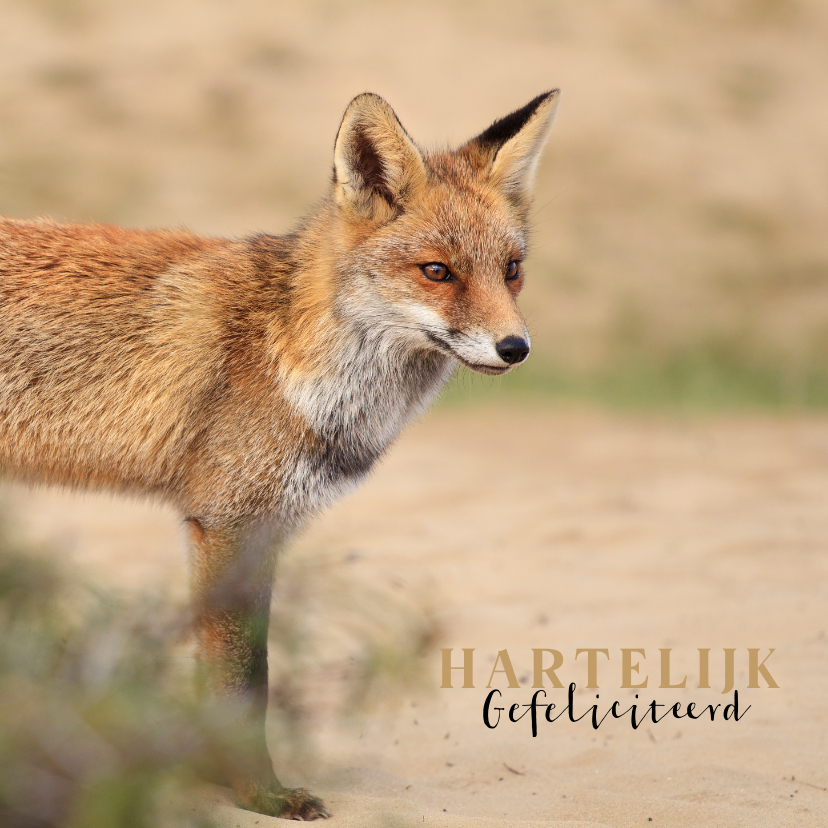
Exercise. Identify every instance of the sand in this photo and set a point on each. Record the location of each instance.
(545, 528)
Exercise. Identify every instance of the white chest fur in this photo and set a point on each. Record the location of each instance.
(357, 408)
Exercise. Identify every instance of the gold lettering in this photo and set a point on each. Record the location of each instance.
(704, 668)
(728, 670)
(503, 656)
(665, 671)
(467, 668)
(627, 668)
(557, 660)
(592, 665)
(754, 668)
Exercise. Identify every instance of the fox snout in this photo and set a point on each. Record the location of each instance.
(483, 353)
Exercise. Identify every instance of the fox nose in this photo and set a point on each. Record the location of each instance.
(512, 349)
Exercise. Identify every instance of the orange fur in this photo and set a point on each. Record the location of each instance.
(251, 382)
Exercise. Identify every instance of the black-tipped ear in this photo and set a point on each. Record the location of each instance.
(510, 148)
(377, 167)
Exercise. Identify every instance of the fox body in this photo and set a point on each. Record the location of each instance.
(251, 382)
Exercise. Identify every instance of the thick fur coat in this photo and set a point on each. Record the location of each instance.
(252, 382)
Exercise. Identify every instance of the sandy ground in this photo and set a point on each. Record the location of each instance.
(550, 529)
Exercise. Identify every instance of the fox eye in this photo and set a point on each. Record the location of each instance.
(437, 272)
(512, 271)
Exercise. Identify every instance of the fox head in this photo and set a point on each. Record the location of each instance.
(436, 241)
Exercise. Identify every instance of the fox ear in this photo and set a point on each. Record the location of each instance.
(377, 167)
(510, 148)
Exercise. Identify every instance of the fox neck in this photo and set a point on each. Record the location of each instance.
(362, 379)
(369, 391)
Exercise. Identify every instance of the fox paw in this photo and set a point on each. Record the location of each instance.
(287, 803)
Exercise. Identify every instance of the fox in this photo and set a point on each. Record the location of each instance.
(252, 382)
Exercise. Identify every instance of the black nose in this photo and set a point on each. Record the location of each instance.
(512, 349)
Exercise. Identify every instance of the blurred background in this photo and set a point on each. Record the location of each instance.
(680, 253)
(679, 261)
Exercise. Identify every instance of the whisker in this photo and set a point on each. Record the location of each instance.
(554, 198)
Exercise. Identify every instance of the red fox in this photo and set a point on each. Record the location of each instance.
(252, 382)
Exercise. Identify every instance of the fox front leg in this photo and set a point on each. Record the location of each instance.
(231, 579)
